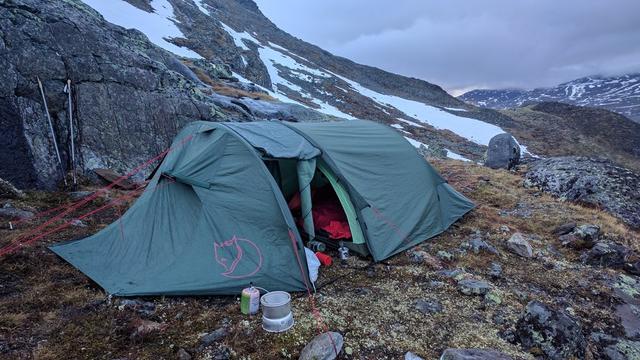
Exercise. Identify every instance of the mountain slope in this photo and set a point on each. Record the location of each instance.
(291, 70)
(141, 69)
(620, 94)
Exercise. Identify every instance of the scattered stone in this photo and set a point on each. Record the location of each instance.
(503, 152)
(495, 270)
(321, 347)
(423, 257)
(564, 228)
(212, 337)
(477, 244)
(11, 212)
(445, 256)
(348, 350)
(141, 307)
(427, 307)
(455, 274)
(519, 246)
(504, 229)
(606, 254)
(492, 298)
(473, 354)
(587, 232)
(143, 328)
(77, 223)
(8, 191)
(183, 354)
(473, 287)
(411, 356)
(575, 242)
(542, 330)
(77, 195)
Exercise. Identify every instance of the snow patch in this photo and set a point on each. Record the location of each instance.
(239, 37)
(397, 126)
(416, 143)
(158, 25)
(202, 6)
(472, 129)
(455, 156)
(410, 123)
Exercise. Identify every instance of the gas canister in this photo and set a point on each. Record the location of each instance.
(250, 300)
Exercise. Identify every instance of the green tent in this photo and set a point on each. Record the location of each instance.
(215, 215)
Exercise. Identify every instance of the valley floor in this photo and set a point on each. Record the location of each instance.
(49, 310)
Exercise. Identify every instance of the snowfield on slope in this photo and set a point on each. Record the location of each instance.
(157, 26)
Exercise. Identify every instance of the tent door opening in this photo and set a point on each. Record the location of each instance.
(324, 201)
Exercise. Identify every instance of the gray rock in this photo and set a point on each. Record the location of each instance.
(427, 307)
(321, 347)
(12, 213)
(7, 190)
(564, 228)
(77, 195)
(503, 152)
(473, 354)
(445, 255)
(183, 354)
(554, 333)
(477, 244)
(575, 242)
(141, 307)
(587, 232)
(411, 356)
(77, 223)
(213, 336)
(596, 182)
(518, 245)
(495, 270)
(606, 254)
(473, 287)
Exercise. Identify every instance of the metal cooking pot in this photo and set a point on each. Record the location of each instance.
(276, 311)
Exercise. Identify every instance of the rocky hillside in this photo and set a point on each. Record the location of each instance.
(142, 69)
(620, 94)
(556, 129)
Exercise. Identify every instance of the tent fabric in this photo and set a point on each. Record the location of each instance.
(400, 198)
(275, 140)
(213, 217)
(180, 239)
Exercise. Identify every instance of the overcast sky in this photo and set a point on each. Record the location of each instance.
(466, 44)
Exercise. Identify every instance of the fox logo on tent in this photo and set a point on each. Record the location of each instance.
(238, 257)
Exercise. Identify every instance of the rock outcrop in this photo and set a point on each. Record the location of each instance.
(503, 152)
(551, 333)
(129, 97)
(594, 182)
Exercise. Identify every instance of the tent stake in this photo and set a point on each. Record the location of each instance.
(53, 134)
(67, 89)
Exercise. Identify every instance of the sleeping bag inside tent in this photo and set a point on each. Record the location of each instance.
(234, 203)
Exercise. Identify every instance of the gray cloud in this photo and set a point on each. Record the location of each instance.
(465, 44)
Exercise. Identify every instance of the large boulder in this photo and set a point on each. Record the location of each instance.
(554, 334)
(503, 152)
(595, 182)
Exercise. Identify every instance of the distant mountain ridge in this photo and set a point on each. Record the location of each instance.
(620, 94)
